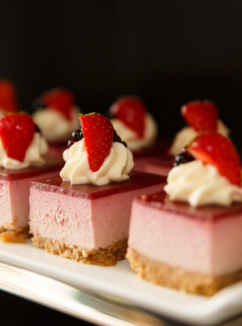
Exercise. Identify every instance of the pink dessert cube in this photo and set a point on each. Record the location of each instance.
(86, 223)
(197, 250)
(14, 198)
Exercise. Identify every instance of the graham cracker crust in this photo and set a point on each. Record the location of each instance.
(177, 278)
(10, 234)
(103, 256)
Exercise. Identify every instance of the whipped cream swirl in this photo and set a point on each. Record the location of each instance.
(34, 154)
(115, 167)
(185, 135)
(54, 126)
(130, 137)
(201, 184)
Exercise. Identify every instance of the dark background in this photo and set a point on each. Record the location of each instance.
(167, 52)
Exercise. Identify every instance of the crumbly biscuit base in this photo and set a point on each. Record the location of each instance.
(177, 278)
(9, 233)
(103, 256)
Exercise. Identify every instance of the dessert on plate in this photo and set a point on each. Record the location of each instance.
(189, 236)
(84, 214)
(22, 158)
(200, 116)
(8, 101)
(137, 128)
(57, 117)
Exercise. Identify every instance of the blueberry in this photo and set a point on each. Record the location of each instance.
(117, 139)
(71, 142)
(77, 135)
(182, 158)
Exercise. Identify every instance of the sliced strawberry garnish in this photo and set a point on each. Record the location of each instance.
(201, 115)
(60, 100)
(131, 111)
(98, 134)
(215, 149)
(16, 132)
(8, 101)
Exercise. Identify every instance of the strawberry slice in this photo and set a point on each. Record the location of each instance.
(98, 134)
(16, 132)
(8, 101)
(201, 115)
(60, 100)
(131, 111)
(213, 148)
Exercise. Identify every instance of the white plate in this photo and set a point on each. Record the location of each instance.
(120, 282)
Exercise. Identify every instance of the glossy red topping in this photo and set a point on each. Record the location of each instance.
(131, 111)
(201, 115)
(215, 149)
(8, 101)
(60, 100)
(16, 132)
(98, 134)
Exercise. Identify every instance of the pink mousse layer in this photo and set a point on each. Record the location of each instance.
(14, 191)
(86, 216)
(206, 240)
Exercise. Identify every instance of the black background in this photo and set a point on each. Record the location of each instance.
(167, 52)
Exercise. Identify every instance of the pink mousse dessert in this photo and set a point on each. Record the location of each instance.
(57, 117)
(189, 237)
(200, 116)
(22, 159)
(84, 214)
(137, 128)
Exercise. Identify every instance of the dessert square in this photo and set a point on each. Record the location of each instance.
(84, 222)
(192, 249)
(14, 198)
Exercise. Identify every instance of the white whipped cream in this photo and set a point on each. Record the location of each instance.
(185, 135)
(115, 167)
(54, 126)
(34, 154)
(201, 184)
(130, 137)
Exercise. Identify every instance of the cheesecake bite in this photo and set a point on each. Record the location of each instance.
(56, 114)
(137, 128)
(200, 116)
(22, 158)
(188, 237)
(84, 214)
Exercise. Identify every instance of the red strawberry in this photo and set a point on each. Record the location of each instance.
(201, 115)
(131, 111)
(213, 148)
(98, 134)
(60, 100)
(16, 132)
(8, 101)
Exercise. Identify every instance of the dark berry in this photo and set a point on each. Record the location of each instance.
(182, 158)
(117, 139)
(77, 135)
(37, 104)
(71, 142)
